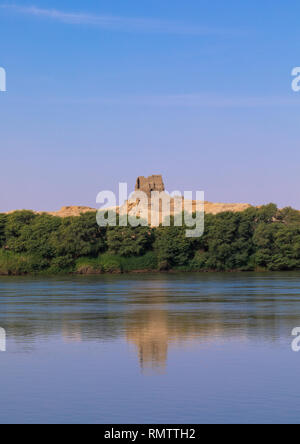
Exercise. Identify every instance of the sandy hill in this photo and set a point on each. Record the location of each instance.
(209, 208)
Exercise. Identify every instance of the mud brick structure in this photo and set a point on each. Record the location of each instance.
(149, 184)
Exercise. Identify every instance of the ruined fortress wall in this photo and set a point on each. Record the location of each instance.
(149, 184)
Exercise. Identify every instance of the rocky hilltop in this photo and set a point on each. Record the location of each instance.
(209, 207)
(72, 211)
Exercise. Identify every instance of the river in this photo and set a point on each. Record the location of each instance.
(161, 348)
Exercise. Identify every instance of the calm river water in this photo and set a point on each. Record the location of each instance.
(161, 348)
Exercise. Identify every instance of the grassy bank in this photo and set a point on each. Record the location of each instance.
(12, 264)
(110, 263)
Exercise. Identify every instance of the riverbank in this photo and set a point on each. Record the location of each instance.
(24, 265)
(256, 239)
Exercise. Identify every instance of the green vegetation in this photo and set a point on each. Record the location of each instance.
(263, 238)
(109, 263)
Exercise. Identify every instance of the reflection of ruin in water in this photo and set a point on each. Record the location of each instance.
(152, 331)
(148, 330)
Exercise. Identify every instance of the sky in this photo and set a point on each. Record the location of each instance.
(100, 92)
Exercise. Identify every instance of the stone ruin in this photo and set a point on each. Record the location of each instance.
(149, 184)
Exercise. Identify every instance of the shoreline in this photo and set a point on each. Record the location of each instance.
(143, 272)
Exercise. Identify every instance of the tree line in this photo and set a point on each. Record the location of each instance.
(256, 239)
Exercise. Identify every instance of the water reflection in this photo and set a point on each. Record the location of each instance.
(151, 312)
(149, 332)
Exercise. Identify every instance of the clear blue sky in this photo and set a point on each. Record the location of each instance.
(103, 91)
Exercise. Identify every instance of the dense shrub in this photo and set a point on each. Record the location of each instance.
(14, 264)
(28, 233)
(78, 236)
(172, 247)
(256, 239)
(129, 241)
(146, 262)
(3, 219)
